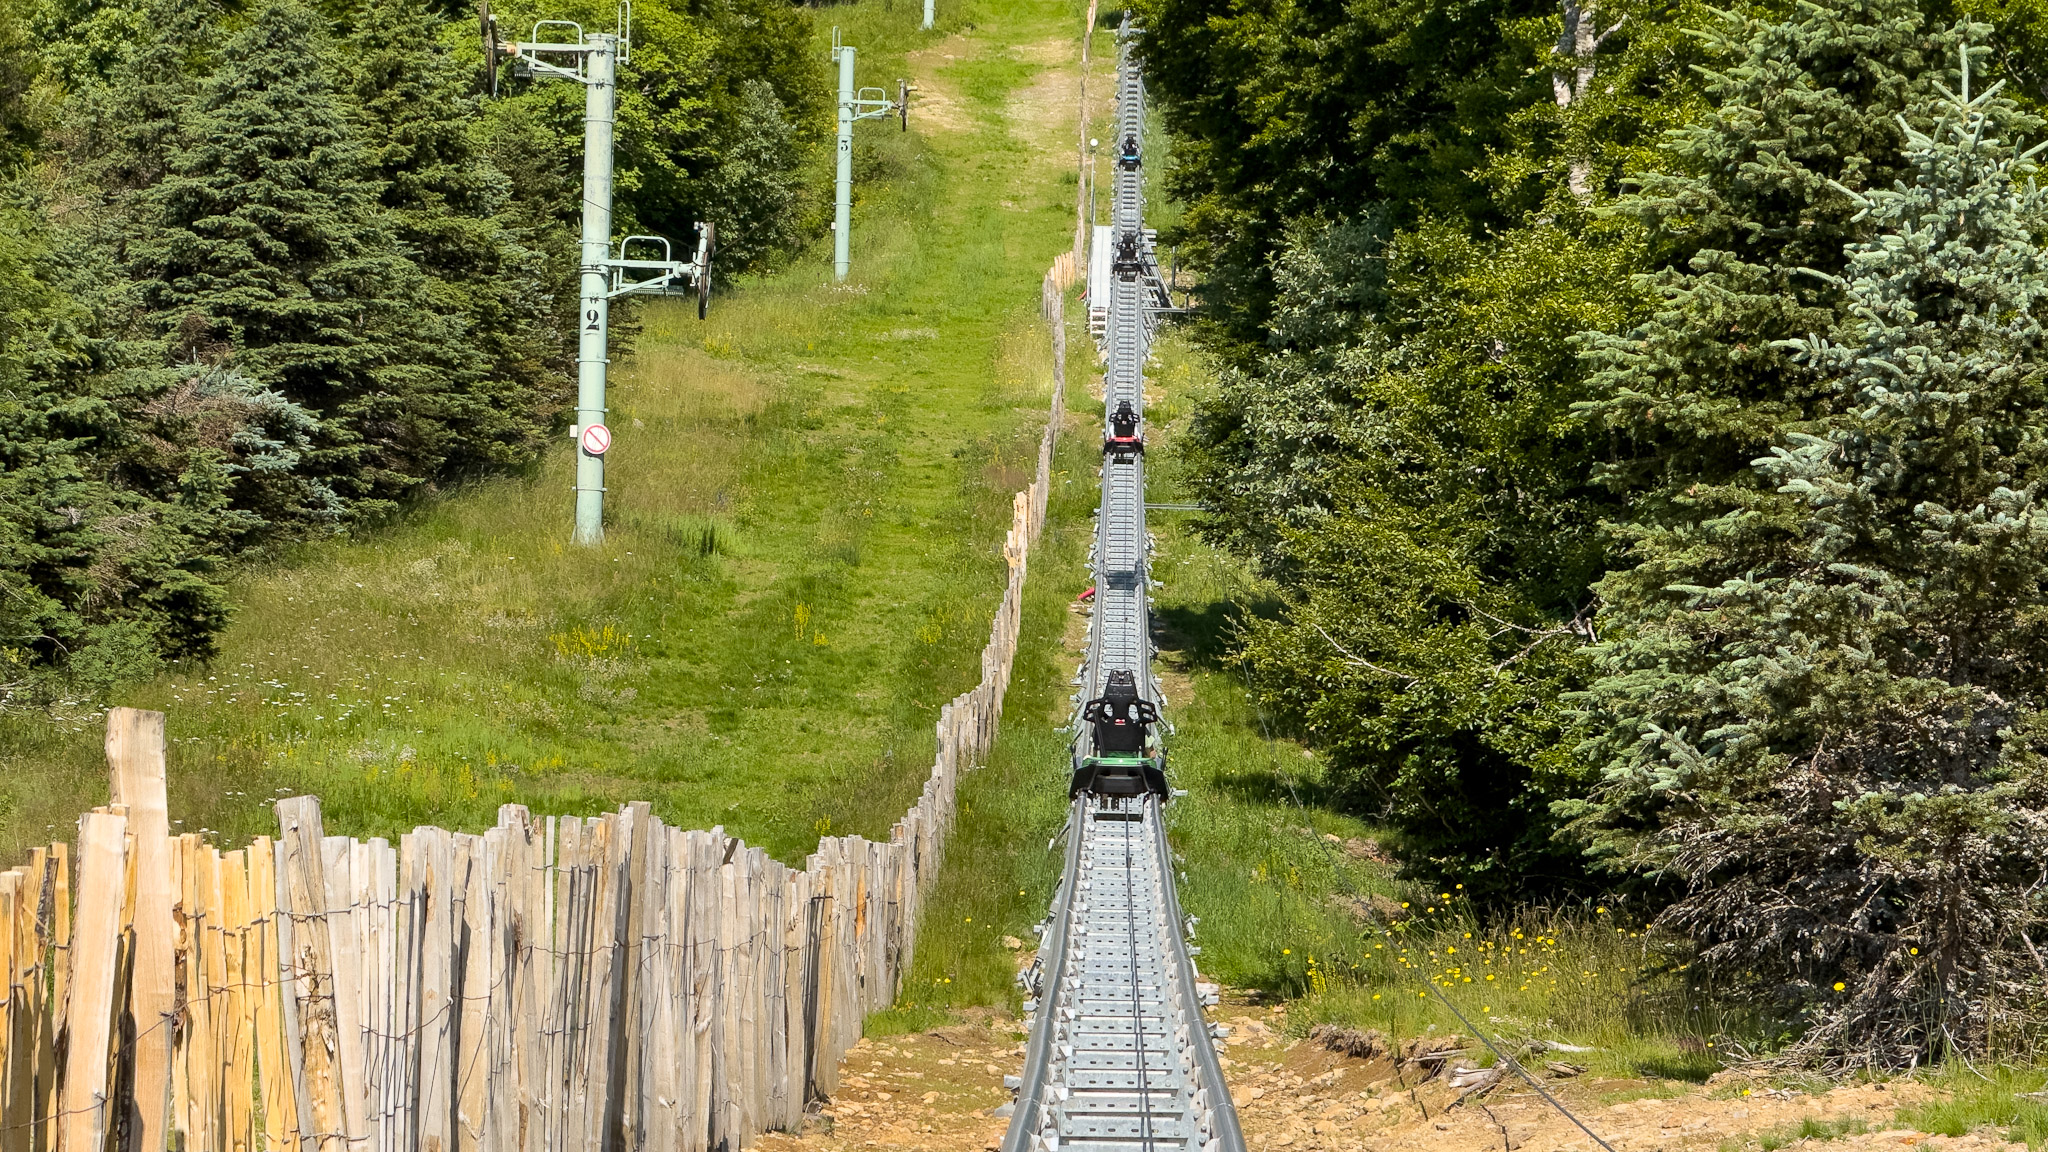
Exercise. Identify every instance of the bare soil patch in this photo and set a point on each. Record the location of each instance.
(926, 1090)
(937, 102)
(935, 1090)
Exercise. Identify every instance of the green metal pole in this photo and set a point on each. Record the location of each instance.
(599, 102)
(842, 204)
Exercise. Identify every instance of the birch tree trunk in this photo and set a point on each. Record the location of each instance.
(1579, 41)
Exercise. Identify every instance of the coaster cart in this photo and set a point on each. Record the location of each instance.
(1123, 444)
(1120, 730)
(1129, 261)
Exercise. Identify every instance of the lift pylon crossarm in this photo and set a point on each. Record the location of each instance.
(874, 107)
(529, 57)
(670, 277)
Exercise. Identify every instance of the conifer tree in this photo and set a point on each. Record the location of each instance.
(18, 69)
(1839, 752)
(122, 125)
(412, 108)
(1747, 196)
(266, 243)
(414, 111)
(100, 576)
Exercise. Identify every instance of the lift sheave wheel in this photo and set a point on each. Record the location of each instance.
(706, 245)
(488, 26)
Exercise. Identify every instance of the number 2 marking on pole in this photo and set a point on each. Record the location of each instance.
(592, 317)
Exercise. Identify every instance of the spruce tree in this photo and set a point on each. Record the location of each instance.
(122, 123)
(1804, 114)
(19, 67)
(100, 576)
(413, 107)
(1839, 753)
(414, 111)
(266, 244)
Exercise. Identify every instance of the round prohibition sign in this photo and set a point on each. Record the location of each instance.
(597, 439)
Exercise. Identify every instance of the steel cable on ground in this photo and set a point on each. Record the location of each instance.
(1513, 1064)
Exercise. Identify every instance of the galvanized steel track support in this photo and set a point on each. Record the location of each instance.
(1121, 1058)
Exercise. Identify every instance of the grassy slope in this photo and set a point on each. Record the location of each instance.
(806, 509)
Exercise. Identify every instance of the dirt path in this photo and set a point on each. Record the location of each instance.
(927, 1090)
(1298, 1095)
(935, 1092)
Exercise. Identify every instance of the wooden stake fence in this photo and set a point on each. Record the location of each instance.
(548, 985)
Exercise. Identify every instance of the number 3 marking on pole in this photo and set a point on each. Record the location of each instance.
(592, 317)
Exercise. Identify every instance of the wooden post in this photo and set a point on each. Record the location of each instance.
(470, 922)
(376, 897)
(102, 883)
(429, 872)
(517, 880)
(347, 899)
(658, 1057)
(562, 1032)
(274, 1059)
(702, 977)
(443, 966)
(502, 865)
(25, 1010)
(47, 1098)
(760, 904)
(824, 974)
(204, 976)
(304, 1138)
(637, 821)
(725, 1105)
(13, 1008)
(237, 1015)
(597, 1110)
(312, 966)
(773, 893)
(135, 759)
(541, 962)
(847, 1001)
(797, 1057)
(745, 993)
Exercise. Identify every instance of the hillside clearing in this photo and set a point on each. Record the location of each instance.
(807, 502)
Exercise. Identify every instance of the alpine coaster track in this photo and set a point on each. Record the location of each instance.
(1120, 1058)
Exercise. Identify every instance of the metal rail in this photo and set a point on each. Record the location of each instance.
(1120, 1058)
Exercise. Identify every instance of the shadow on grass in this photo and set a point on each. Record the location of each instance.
(1270, 786)
(1206, 634)
(1691, 1067)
